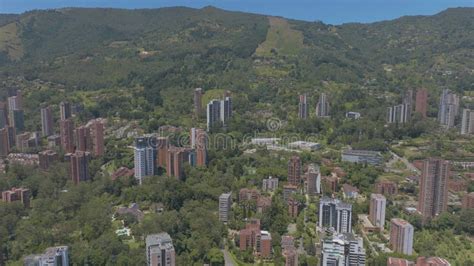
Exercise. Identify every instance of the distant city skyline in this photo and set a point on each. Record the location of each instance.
(328, 11)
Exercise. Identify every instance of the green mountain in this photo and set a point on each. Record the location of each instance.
(185, 47)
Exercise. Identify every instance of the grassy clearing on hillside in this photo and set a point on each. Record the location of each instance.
(10, 41)
(282, 38)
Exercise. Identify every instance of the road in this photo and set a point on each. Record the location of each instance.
(227, 258)
(409, 166)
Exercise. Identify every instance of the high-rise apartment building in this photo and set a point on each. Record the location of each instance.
(448, 108)
(401, 236)
(14, 103)
(3, 115)
(219, 112)
(160, 250)
(162, 151)
(65, 110)
(4, 142)
(322, 107)
(225, 203)
(313, 180)
(336, 214)
(213, 114)
(96, 128)
(377, 210)
(303, 107)
(144, 157)
(47, 122)
(226, 110)
(398, 114)
(342, 249)
(294, 171)
(66, 131)
(421, 102)
(177, 157)
(199, 144)
(197, 102)
(17, 120)
(467, 122)
(433, 195)
(79, 166)
(83, 139)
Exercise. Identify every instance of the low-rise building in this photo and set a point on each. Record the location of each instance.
(386, 188)
(17, 194)
(270, 184)
(52, 256)
(362, 156)
(350, 192)
(468, 201)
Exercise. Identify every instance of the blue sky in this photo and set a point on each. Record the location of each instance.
(329, 11)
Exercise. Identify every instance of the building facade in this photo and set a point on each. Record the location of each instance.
(79, 166)
(269, 184)
(398, 114)
(144, 157)
(377, 210)
(303, 107)
(197, 102)
(433, 195)
(448, 108)
(467, 122)
(294, 171)
(66, 131)
(401, 236)
(47, 128)
(225, 203)
(421, 102)
(160, 250)
(313, 180)
(335, 214)
(342, 249)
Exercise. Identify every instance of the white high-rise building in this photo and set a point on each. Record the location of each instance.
(398, 114)
(448, 108)
(467, 123)
(335, 214)
(226, 110)
(144, 157)
(377, 210)
(225, 203)
(219, 112)
(160, 250)
(322, 107)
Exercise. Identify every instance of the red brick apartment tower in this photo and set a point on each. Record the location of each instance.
(67, 135)
(294, 171)
(162, 147)
(421, 102)
(97, 134)
(433, 195)
(79, 166)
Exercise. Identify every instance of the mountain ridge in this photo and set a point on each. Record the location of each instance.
(55, 44)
